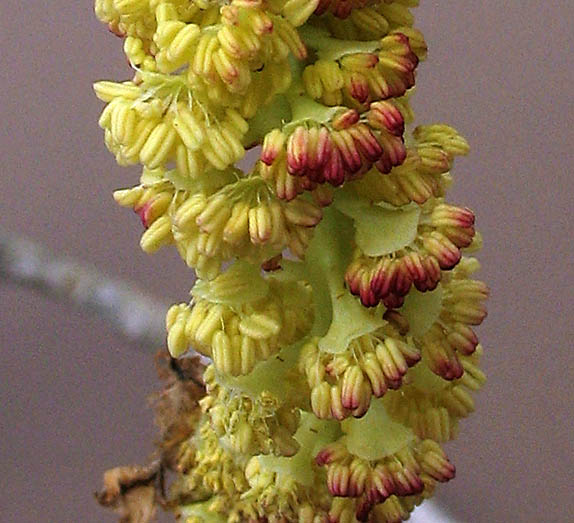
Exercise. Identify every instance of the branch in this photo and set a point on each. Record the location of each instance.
(136, 315)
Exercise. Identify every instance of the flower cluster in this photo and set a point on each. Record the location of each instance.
(366, 483)
(342, 384)
(334, 293)
(442, 232)
(242, 325)
(341, 149)
(251, 425)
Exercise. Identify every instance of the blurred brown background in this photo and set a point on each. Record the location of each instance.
(72, 392)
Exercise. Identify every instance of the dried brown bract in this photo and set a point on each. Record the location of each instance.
(177, 404)
(133, 492)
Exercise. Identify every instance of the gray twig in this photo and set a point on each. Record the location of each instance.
(135, 314)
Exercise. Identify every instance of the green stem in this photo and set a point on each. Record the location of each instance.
(339, 317)
(325, 262)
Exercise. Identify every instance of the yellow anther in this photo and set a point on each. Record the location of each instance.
(158, 146)
(189, 127)
(260, 223)
(236, 228)
(158, 235)
(108, 91)
(259, 326)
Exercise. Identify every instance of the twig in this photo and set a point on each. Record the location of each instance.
(135, 314)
